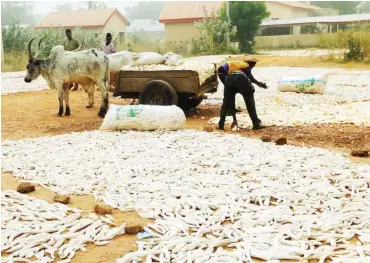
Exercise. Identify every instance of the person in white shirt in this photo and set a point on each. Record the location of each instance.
(108, 46)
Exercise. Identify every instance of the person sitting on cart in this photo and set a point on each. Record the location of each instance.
(237, 78)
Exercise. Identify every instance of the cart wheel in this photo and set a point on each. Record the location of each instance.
(158, 92)
(186, 103)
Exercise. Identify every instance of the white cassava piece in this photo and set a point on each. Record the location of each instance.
(32, 230)
(143, 118)
(213, 197)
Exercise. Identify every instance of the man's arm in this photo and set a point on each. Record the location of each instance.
(248, 72)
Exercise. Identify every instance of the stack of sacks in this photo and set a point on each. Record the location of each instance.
(151, 61)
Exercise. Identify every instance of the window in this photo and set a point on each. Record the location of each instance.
(276, 31)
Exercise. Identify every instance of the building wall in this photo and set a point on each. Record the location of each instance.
(306, 40)
(285, 12)
(180, 32)
(115, 25)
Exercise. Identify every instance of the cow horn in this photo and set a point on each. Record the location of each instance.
(38, 47)
(82, 43)
(29, 49)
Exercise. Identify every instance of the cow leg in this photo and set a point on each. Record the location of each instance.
(60, 88)
(104, 96)
(66, 99)
(90, 93)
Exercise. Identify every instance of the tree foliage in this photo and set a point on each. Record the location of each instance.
(63, 7)
(137, 37)
(145, 10)
(247, 17)
(213, 33)
(14, 37)
(22, 11)
(344, 7)
(93, 4)
(364, 7)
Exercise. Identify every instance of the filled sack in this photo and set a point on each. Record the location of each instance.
(143, 118)
(146, 58)
(313, 85)
(119, 59)
(172, 59)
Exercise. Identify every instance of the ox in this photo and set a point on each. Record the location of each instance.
(86, 67)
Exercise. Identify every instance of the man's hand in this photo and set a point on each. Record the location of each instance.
(262, 85)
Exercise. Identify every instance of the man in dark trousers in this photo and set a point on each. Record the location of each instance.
(237, 78)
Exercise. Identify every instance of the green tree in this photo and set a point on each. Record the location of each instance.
(22, 11)
(364, 7)
(344, 7)
(63, 7)
(213, 32)
(14, 37)
(145, 10)
(247, 17)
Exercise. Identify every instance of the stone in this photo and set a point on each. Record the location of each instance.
(25, 188)
(134, 229)
(209, 128)
(281, 141)
(266, 138)
(360, 153)
(64, 199)
(102, 209)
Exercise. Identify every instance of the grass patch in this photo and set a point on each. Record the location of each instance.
(14, 62)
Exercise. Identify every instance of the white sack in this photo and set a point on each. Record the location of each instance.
(315, 84)
(172, 59)
(119, 59)
(147, 58)
(143, 118)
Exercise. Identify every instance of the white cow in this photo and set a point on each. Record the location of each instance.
(86, 67)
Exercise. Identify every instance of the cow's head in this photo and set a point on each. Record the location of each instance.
(33, 66)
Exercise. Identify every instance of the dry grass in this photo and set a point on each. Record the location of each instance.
(14, 62)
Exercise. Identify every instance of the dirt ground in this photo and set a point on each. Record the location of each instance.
(30, 115)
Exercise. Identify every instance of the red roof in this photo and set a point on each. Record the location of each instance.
(180, 12)
(81, 18)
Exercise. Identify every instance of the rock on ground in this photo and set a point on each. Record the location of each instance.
(102, 209)
(360, 153)
(25, 188)
(134, 229)
(64, 199)
(281, 141)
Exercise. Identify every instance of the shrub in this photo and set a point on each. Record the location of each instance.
(213, 32)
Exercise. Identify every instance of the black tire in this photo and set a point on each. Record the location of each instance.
(187, 103)
(158, 92)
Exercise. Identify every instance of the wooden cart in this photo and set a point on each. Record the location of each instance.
(164, 87)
